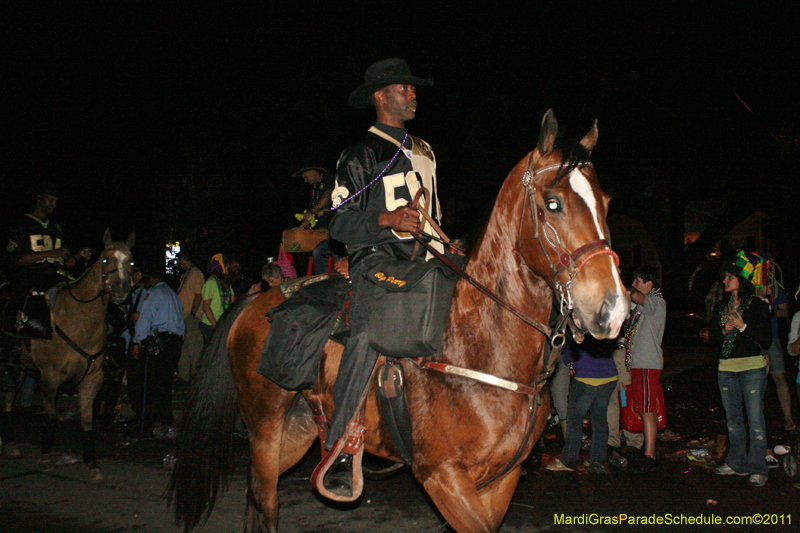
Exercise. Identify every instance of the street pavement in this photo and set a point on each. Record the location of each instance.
(130, 497)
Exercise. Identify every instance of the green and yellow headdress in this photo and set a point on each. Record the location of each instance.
(760, 270)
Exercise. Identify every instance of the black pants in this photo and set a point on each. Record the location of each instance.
(150, 383)
(358, 357)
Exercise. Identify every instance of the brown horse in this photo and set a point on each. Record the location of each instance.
(74, 356)
(547, 232)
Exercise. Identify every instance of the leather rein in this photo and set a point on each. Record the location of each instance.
(104, 275)
(571, 263)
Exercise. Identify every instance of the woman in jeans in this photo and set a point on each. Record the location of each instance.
(741, 323)
(594, 380)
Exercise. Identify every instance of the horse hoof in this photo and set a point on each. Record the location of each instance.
(10, 450)
(95, 474)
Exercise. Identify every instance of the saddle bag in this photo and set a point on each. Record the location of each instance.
(410, 306)
(301, 326)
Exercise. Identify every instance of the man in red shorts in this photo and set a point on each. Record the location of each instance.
(645, 358)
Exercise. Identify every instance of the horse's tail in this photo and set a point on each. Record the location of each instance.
(205, 441)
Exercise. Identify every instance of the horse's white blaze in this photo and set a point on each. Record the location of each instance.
(583, 188)
(120, 263)
(620, 311)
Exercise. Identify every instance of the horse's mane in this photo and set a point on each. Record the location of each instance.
(573, 155)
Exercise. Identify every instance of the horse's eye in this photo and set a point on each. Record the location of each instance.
(553, 205)
(105, 261)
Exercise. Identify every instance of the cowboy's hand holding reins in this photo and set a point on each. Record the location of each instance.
(404, 218)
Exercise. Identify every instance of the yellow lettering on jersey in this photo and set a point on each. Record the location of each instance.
(44, 243)
(391, 184)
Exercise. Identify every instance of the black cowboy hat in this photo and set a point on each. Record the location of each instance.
(382, 74)
(41, 188)
(321, 170)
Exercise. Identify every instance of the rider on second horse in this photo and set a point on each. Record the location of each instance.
(37, 256)
(375, 180)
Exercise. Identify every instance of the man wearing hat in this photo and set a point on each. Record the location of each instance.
(37, 255)
(321, 182)
(36, 245)
(376, 179)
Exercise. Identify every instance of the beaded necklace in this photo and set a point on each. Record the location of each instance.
(728, 310)
(365, 187)
(633, 324)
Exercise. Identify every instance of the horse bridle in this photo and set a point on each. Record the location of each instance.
(571, 263)
(104, 276)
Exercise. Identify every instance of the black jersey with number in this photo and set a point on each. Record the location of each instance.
(359, 198)
(30, 235)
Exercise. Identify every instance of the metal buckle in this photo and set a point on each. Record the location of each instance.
(565, 302)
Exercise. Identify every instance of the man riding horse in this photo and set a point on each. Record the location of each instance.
(376, 179)
(38, 259)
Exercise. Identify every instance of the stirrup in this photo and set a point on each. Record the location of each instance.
(353, 443)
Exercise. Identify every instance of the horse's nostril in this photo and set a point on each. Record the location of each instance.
(604, 316)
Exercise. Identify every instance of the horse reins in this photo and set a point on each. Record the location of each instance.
(418, 235)
(104, 275)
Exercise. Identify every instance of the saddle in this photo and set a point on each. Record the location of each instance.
(409, 310)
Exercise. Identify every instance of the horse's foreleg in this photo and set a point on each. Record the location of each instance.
(465, 509)
(49, 389)
(87, 391)
(497, 497)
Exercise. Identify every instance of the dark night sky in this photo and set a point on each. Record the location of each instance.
(126, 104)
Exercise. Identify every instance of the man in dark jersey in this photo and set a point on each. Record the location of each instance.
(376, 179)
(38, 258)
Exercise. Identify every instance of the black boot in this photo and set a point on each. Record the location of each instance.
(339, 478)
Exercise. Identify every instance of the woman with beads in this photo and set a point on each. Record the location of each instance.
(741, 323)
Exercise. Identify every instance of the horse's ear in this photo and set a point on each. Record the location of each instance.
(131, 239)
(548, 133)
(590, 139)
(107, 237)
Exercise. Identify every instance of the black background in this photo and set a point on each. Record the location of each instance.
(185, 120)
